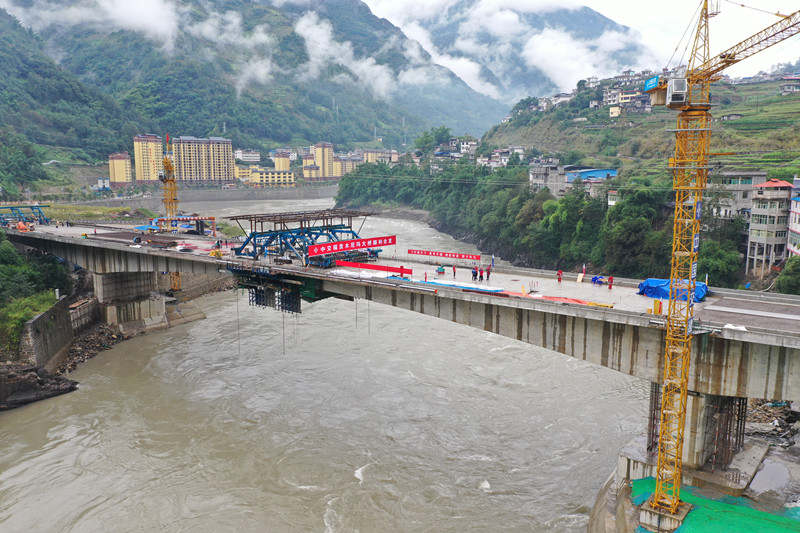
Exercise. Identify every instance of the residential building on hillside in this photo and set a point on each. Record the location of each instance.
(790, 88)
(119, 168)
(769, 226)
(611, 97)
(243, 173)
(203, 159)
(794, 225)
(282, 160)
(323, 158)
(559, 179)
(248, 156)
(148, 157)
(738, 188)
(794, 219)
(270, 177)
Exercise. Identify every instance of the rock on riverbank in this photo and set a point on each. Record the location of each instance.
(88, 344)
(22, 383)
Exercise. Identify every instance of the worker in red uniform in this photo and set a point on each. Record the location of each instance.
(480, 274)
(559, 274)
(454, 272)
(610, 282)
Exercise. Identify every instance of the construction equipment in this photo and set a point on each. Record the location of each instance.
(689, 166)
(170, 200)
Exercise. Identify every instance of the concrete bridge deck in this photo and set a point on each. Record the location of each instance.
(748, 345)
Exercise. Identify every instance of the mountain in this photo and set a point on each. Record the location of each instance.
(262, 73)
(49, 105)
(42, 103)
(761, 129)
(511, 50)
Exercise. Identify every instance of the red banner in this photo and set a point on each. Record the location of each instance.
(355, 244)
(448, 255)
(369, 266)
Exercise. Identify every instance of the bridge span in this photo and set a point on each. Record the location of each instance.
(734, 355)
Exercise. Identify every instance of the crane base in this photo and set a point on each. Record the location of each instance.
(660, 521)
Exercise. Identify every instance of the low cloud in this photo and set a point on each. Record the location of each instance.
(324, 50)
(490, 34)
(567, 60)
(156, 19)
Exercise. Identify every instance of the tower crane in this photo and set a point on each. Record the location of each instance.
(691, 96)
(170, 200)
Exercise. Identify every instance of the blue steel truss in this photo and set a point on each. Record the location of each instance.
(23, 213)
(295, 242)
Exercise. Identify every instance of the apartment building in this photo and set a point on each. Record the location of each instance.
(282, 160)
(119, 168)
(203, 159)
(148, 157)
(738, 191)
(270, 177)
(794, 220)
(247, 156)
(769, 226)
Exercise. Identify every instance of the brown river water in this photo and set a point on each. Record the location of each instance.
(350, 417)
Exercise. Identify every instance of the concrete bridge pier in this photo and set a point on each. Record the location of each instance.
(130, 301)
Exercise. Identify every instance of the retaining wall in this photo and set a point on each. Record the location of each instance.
(46, 337)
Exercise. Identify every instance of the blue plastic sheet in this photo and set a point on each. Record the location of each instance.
(659, 288)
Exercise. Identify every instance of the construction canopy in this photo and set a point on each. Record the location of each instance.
(659, 288)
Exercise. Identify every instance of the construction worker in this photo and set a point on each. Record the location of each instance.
(610, 282)
(480, 274)
(559, 274)
(489, 270)
(454, 272)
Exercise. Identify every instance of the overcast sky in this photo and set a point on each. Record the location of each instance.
(660, 24)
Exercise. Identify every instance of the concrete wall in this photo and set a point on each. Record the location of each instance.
(195, 285)
(755, 366)
(46, 337)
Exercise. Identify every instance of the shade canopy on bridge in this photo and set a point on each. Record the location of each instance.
(299, 219)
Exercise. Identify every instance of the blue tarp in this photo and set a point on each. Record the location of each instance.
(659, 288)
(145, 228)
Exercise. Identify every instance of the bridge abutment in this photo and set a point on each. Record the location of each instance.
(129, 301)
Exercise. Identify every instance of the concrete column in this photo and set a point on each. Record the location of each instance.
(694, 433)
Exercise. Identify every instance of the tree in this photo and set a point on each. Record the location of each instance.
(788, 281)
(720, 262)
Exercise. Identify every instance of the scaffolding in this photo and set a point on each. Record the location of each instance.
(290, 234)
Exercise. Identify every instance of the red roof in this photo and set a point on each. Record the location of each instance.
(774, 183)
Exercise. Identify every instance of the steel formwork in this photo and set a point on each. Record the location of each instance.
(23, 213)
(292, 233)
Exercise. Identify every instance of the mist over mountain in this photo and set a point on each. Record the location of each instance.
(261, 73)
(509, 49)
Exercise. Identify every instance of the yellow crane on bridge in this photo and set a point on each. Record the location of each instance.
(170, 200)
(691, 95)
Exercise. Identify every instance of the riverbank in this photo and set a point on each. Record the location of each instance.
(23, 383)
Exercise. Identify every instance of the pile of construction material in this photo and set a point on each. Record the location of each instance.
(775, 422)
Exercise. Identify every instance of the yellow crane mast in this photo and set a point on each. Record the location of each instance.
(689, 166)
(170, 200)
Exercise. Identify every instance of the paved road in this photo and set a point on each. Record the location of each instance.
(738, 308)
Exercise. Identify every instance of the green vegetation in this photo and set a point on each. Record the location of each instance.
(229, 230)
(788, 280)
(639, 144)
(26, 289)
(498, 211)
(92, 212)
